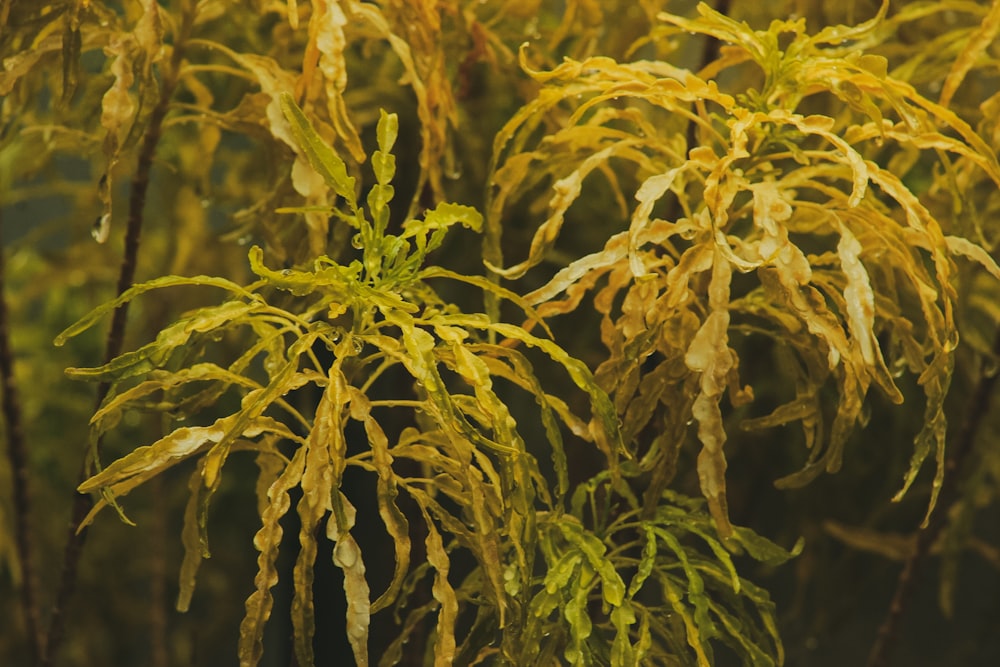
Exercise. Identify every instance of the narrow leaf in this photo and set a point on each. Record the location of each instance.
(322, 158)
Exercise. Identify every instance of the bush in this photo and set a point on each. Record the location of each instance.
(717, 255)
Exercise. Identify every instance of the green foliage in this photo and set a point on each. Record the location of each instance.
(481, 489)
(541, 453)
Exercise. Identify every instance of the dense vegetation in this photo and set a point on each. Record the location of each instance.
(499, 332)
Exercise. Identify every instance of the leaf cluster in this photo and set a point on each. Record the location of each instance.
(480, 490)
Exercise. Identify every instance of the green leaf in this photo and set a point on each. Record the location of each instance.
(623, 653)
(154, 355)
(446, 214)
(763, 549)
(145, 462)
(694, 638)
(387, 130)
(696, 586)
(594, 551)
(646, 563)
(93, 316)
(110, 412)
(735, 629)
(321, 157)
(559, 574)
(577, 614)
(252, 408)
(384, 165)
(194, 548)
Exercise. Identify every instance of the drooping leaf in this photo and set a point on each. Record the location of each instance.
(395, 520)
(444, 643)
(267, 541)
(347, 556)
(194, 549)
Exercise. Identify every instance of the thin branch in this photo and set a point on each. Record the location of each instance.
(709, 53)
(17, 452)
(82, 503)
(158, 653)
(958, 453)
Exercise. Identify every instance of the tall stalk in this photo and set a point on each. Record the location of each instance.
(82, 503)
(18, 454)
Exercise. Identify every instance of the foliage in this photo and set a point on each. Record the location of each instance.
(682, 257)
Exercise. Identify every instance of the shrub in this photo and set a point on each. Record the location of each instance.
(695, 235)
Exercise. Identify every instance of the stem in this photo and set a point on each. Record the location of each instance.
(18, 455)
(709, 53)
(979, 406)
(4, 14)
(82, 503)
(159, 656)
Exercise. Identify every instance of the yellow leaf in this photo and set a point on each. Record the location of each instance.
(974, 49)
(859, 297)
(267, 541)
(347, 556)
